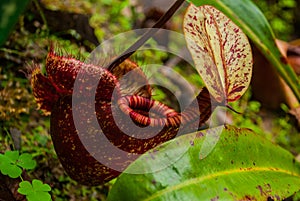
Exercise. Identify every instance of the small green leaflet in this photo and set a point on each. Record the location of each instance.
(37, 191)
(220, 50)
(11, 163)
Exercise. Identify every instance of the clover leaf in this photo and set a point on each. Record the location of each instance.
(37, 191)
(8, 164)
(11, 163)
(25, 161)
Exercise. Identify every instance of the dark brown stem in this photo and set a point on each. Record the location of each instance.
(231, 108)
(146, 36)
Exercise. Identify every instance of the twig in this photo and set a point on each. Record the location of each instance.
(146, 36)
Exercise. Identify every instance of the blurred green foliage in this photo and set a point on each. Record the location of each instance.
(281, 16)
(10, 12)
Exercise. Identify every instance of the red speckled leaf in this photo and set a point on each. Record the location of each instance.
(221, 52)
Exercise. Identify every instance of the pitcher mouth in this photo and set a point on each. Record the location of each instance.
(148, 112)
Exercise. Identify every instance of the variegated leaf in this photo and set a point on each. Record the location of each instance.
(220, 50)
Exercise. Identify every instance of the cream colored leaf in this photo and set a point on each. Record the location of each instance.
(220, 50)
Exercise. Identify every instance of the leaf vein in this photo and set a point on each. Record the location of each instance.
(221, 173)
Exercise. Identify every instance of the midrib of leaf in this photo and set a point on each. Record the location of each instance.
(290, 78)
(220, 174)
(224, 81)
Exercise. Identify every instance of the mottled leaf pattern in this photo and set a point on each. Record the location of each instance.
(221, 52)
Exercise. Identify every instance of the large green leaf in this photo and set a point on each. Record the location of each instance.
(242, 166)
(252, 21)
(9, 15)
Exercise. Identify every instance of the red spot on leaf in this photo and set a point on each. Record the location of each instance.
(283, 60)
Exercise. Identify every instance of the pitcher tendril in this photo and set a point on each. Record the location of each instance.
(146, 36)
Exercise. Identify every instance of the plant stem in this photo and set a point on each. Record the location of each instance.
(146, 36)
(42, 15)
(10, 138)
(10, 51)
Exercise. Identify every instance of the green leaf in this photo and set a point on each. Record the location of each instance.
(12, 155)
(25, 161)
(25, 188)
(39, 186)
(242, 165)
(9, 14)
(251, 20)
(39, 196)
(37, 191)
(12, 171)
(4, 159)
(8, 164)
(11, 163)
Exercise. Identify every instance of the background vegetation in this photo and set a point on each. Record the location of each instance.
(77, 27)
